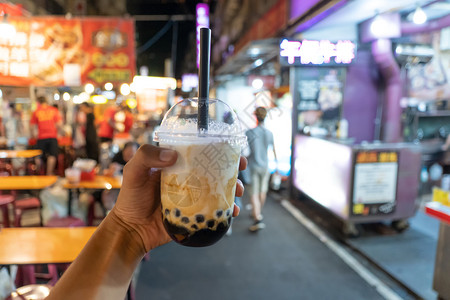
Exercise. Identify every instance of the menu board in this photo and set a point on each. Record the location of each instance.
(321, 89)
(55, 51)
(375, 182)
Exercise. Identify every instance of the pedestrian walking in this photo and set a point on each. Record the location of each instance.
(259, 140)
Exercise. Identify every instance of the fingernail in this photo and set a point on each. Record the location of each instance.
(166, 155)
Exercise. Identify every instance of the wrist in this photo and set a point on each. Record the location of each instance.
(128, 235)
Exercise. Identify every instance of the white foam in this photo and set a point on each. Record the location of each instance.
(176, 125)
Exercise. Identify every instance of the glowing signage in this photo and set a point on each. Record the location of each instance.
(189, 82)
(324, 52)
(202, 10)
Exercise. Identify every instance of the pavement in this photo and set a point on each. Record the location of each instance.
(282, 261)
(408, 256)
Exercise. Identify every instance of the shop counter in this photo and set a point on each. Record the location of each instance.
(358, 183)
(442, 263)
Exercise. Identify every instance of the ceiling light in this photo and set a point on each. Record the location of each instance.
(379, 26)
(56, 97)
(89, 88)
(419, 16)
(258, 62)
(125, 89)
(254, 51)
(66, 96)
(108, 86)
(257, 83)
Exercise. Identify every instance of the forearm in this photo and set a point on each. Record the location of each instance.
(104, 268)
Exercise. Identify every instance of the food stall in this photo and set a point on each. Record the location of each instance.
(337, 160)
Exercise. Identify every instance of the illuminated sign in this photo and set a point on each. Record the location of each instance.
(324, 52)
(154, 82)
(202, 10)
(189, 82)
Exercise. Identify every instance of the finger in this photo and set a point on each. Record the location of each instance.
(239, 188)
(242, 163)
(146, 158)
(236, 211)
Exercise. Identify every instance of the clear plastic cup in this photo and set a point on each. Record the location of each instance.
(197, 192)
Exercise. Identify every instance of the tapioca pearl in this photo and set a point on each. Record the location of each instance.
(210, 223)
(200, 218)
(194, 226)
(221, 226)
(219, 213)
(177, 212)
(185, 220)
(166, 211)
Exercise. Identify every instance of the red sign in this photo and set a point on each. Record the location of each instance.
(61, 52)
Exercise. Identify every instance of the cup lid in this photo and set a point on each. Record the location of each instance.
(179, 125)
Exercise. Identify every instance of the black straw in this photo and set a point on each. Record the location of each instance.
(203, 79)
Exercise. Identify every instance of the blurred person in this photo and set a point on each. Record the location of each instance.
(45, 122)
(259, 140)
(104, 268)
(90, 132)
(121, 158)
(107, 126)
(446, 149)
(116, 119)
(107, 198)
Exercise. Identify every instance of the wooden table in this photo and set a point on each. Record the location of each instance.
(19, 153)
(99, 183)
(28, 155)
(42, 245)
(26, 182)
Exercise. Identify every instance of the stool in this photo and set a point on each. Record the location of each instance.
(23, 205)
(59, 222)
(32, 291)
(5, 200)
(65, 222)
(91, 216)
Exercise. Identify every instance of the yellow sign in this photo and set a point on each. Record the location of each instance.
(441, 196)
(358, 209)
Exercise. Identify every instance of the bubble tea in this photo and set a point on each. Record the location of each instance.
(198, 191)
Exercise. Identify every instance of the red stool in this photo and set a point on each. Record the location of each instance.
(91, 216)
(59, 222)
(65, 222)
(5, 200)
(25, 204)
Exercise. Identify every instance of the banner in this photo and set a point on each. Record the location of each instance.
(54, 51)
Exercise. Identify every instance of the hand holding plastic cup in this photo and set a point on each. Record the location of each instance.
(197, 192)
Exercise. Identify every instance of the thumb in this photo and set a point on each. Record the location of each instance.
(146, 158)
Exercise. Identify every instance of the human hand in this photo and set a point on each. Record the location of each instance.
(138, 207)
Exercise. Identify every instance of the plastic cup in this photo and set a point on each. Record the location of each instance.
(73, 175)
(197, 192)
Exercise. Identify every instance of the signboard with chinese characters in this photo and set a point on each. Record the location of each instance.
(54, 51)
(375, 182)
(316, 53)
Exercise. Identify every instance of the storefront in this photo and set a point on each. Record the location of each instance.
(350, 151)
(66, 60)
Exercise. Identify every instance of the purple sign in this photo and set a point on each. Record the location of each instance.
(322, 52)
(202, 10)
(189, 82)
